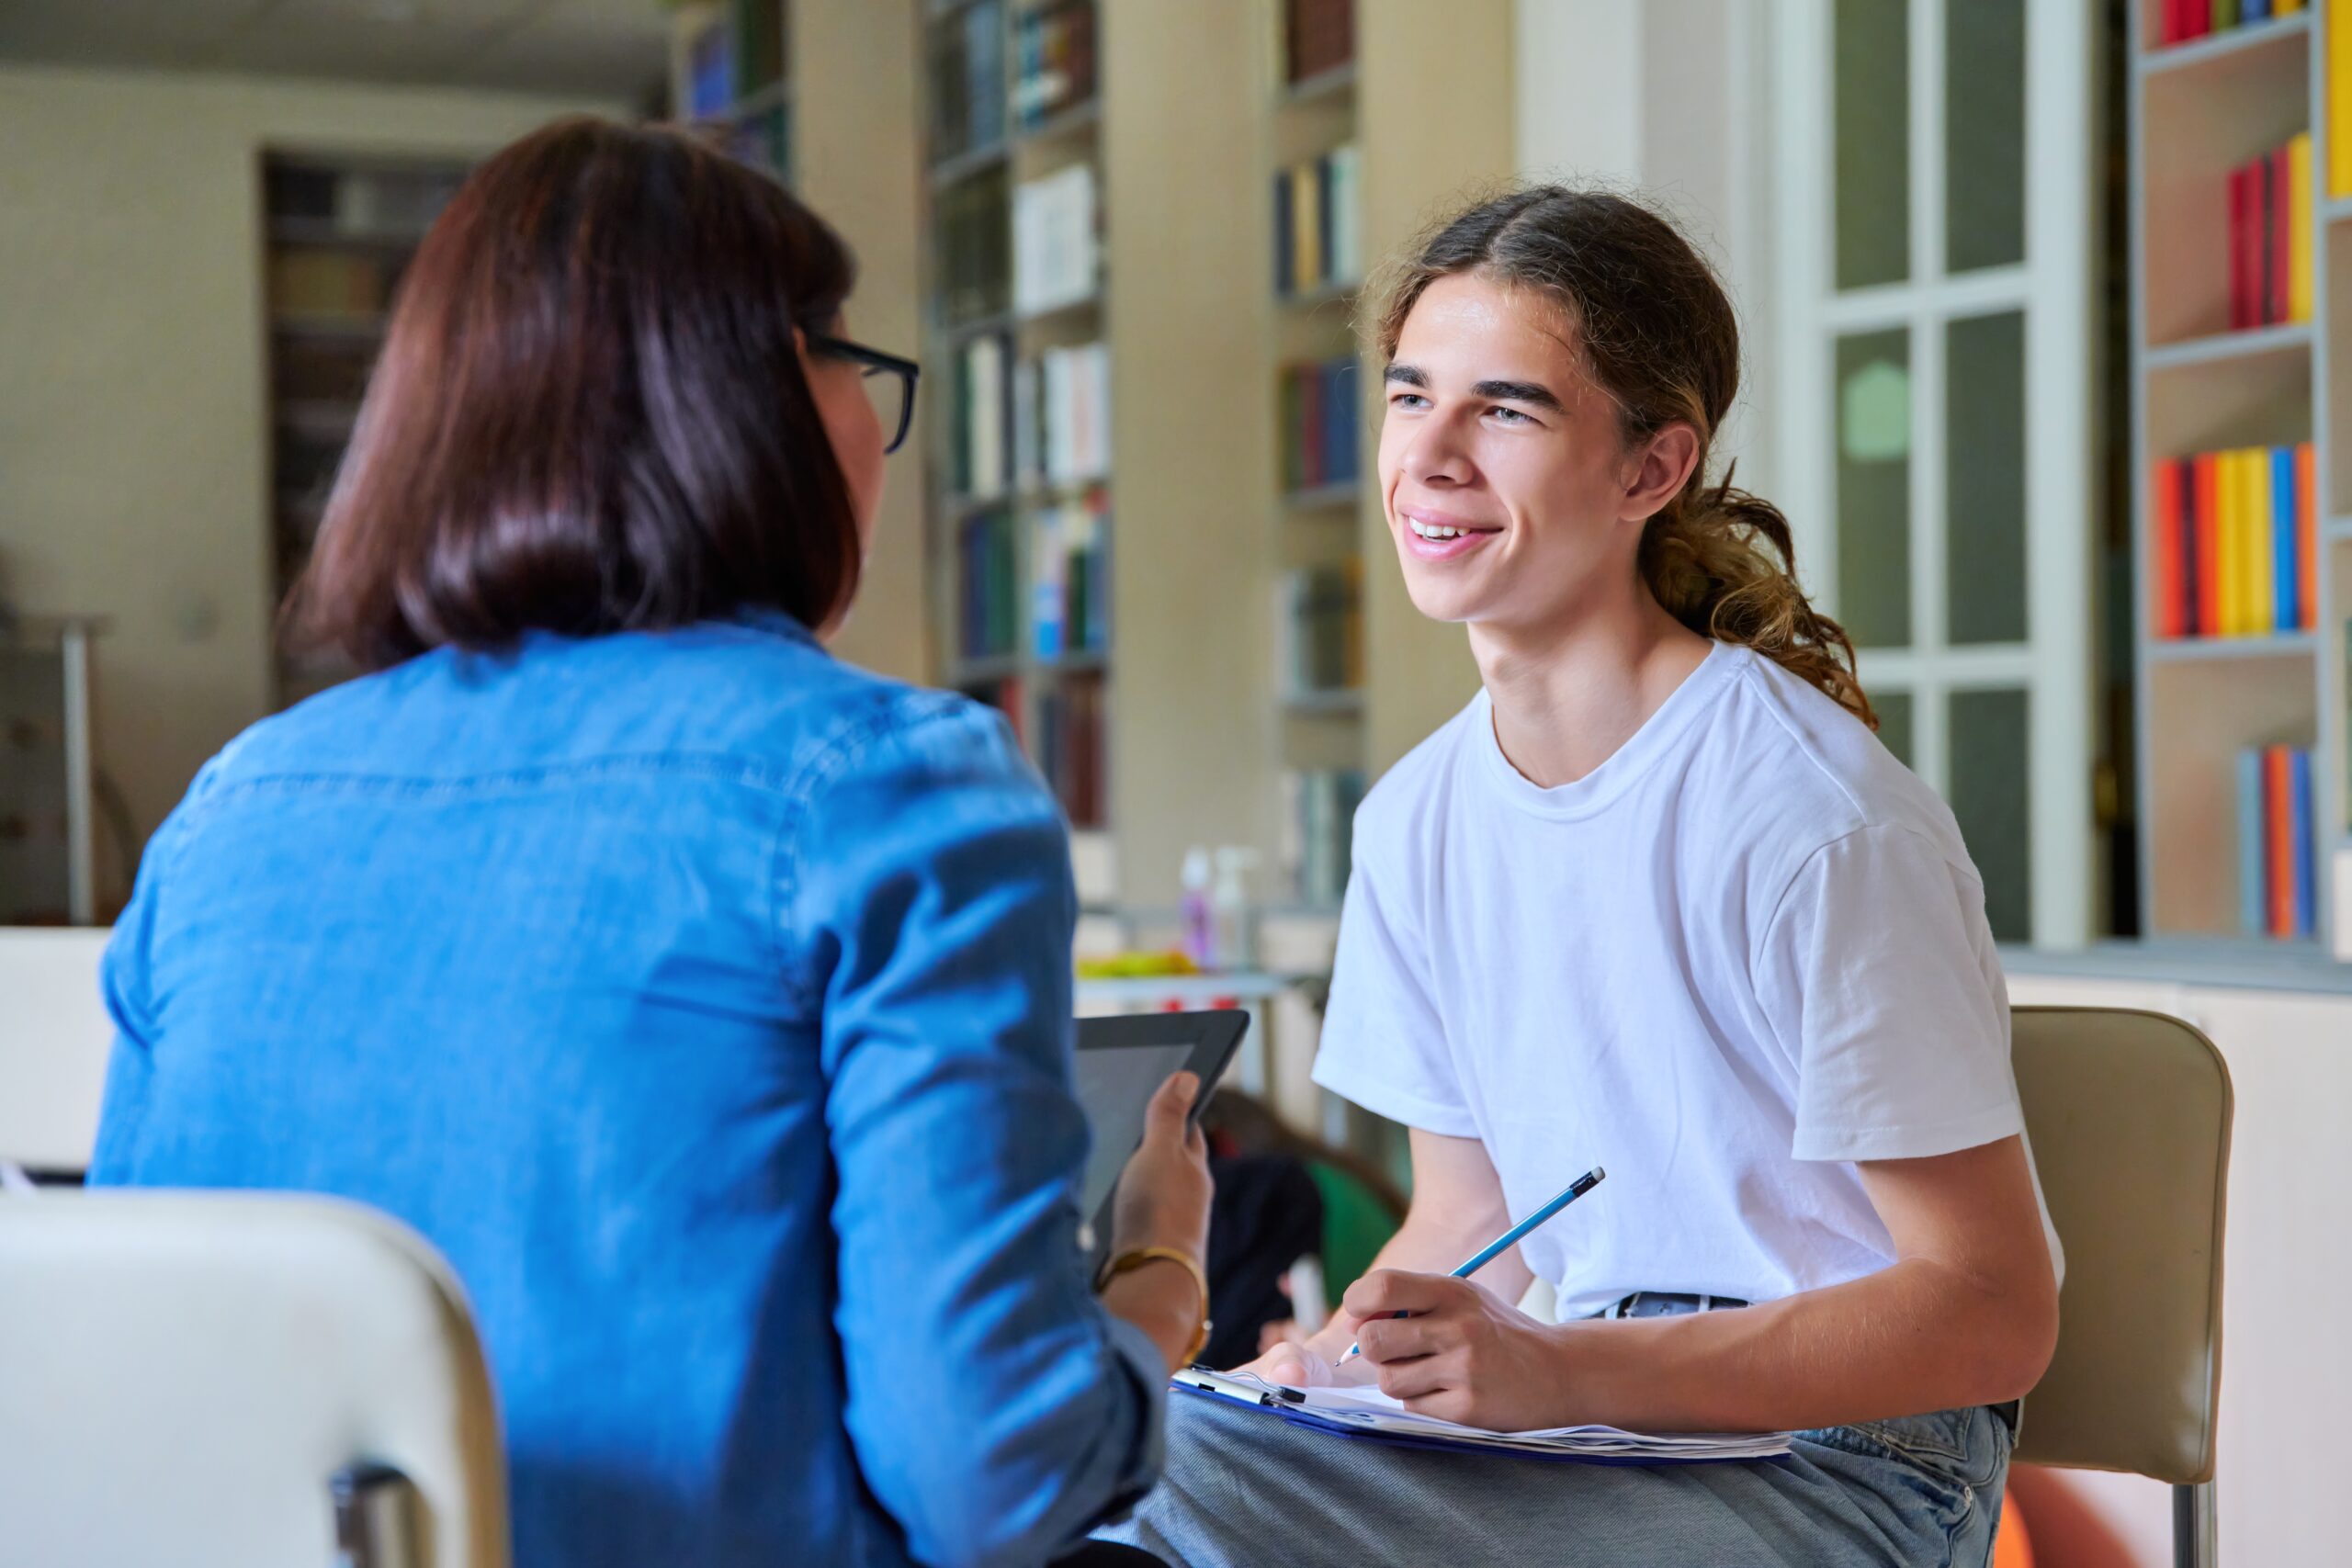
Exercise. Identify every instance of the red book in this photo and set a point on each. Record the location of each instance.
(2280, 190)
(2163, 491)
(2207, 498)
(2306, 538)
(2278, 837)
(2238, 316)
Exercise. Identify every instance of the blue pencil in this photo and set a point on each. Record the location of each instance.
(1494, 1249)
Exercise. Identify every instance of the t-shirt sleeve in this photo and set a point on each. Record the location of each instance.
(1384, 1044)
(1877, 972)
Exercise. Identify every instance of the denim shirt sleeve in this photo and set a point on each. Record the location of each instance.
(998, 1412)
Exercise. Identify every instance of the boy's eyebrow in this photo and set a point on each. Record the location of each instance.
(1533, 393)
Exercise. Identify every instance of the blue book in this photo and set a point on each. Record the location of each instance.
(2253, 10)
(1339, 455)
(2254, 888)
(2285, 594)
(2299, 786)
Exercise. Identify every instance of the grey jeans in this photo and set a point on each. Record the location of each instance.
(1242, 1486)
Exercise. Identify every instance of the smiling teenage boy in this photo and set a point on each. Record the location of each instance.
(1658, 901)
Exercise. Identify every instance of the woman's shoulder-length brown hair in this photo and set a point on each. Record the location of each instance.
(589, 415)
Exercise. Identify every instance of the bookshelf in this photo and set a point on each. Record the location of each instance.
(338, 233)
(1020, 387)
(730, 76)
(2242, 272)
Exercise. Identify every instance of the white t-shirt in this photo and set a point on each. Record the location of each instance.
(1745, 951)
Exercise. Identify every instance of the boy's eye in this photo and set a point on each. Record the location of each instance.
(1511, 416)
(1407, 399)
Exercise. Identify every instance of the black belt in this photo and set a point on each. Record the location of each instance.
(1666, 1303)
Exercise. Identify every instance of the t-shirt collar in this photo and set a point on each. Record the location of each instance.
(1658, 734)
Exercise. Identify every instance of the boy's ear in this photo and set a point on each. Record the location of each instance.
(1662, 469)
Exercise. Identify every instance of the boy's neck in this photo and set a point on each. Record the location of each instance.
(1565, 697)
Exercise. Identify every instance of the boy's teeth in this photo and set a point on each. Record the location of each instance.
(1431, 530)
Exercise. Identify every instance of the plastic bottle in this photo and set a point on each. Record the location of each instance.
(1229, 902)
(1200, 919)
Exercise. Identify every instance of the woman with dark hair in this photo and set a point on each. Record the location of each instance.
(705, 1000)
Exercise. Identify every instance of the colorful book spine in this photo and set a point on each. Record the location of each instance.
(2165, 553)
(2254, 891)
(2303, 850)
(2306, 538)
(2255, 529)
(2300, 260)
(2286, 585)
(2279, 840)
(2206, 468)
(2338, 92)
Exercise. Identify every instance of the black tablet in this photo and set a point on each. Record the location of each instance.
(1120, 1062)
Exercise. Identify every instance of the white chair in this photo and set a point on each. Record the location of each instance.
(54, 1036)
(186, 1376)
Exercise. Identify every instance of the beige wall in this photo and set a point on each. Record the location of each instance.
(134, 450)
(857, 160)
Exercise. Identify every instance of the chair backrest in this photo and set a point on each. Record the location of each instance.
(2130, 1117)
(181, 1375)
(54, 1036)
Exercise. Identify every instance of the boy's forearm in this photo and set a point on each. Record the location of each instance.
(1911, 1339)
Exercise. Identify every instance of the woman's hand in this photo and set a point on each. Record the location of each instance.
(1164, 1193)
(1464, 1354)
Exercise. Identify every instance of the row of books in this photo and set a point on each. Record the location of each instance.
(1318, 830)
(2277, 867)
(1054, 60)
(1038, 421)
(974, 247)
(1317, 36)
(1069, 577)
(740, 49)
(1068, 583)
(1322, 426)
(2181, 20)
(1057, 250)
(967, 72)
(1069, 746)
(2235, 542)
(1322, 628)
(2270, 237)
(1318, 222)
(314, 284)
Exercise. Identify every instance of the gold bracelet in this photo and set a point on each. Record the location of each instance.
(1127, 1262)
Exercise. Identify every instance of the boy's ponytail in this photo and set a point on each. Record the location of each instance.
(1659, 338)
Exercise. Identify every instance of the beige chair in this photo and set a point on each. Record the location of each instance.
(185, 1376)
(2130, 1117)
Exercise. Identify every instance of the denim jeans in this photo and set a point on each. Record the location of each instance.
(1243, 1487)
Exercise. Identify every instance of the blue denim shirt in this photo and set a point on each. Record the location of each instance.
(707, 1001)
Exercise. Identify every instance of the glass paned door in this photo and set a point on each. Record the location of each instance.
(1933, 248)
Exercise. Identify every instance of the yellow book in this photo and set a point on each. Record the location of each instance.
(2339, 89)
(1305, 227)
(2225, 545)
(2298, 228)
(2285, 8)
(2262, 559)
